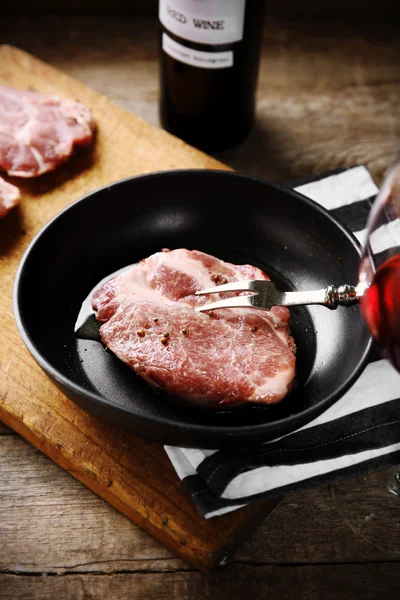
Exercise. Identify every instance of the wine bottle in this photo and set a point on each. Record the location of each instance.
(210, 52)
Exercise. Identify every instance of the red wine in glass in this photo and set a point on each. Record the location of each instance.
(379, 278)
(380, 306)
(379, 294)
(379, 273)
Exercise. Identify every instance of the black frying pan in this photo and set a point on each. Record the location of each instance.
(238, 219)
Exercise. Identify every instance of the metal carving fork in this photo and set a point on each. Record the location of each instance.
(265, 295)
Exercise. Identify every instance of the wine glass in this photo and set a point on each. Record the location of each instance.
(371, 505)
(379, 273)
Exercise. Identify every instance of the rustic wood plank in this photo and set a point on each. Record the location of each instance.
(327, 97)
(331, 582)
(51, 523)
(4, 430)
(132, 475)
(279, 7)
(342, 523)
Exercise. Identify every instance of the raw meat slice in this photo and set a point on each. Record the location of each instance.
(38, 132)
(212, 360)
(9, 197)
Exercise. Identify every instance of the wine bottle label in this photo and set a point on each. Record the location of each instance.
(196, 58)
(212, 22)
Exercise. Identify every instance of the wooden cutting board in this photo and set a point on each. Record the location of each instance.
(133, 475)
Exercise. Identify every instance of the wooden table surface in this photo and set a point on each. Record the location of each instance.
(328, 97)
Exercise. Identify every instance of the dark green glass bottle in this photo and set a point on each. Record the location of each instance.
(210, 52)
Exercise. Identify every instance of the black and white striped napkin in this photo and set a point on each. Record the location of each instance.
(360, 432)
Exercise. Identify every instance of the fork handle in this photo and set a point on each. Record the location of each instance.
(331, 296)
(344, 295)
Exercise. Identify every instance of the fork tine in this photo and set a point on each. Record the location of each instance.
(236, 301)
(234, 286)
